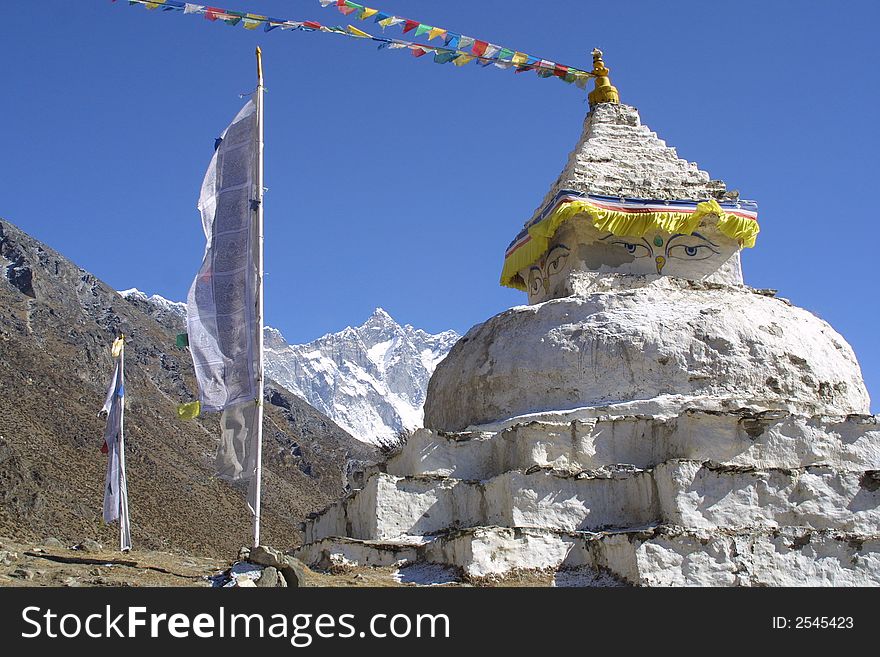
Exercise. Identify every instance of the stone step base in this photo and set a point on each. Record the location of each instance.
(657, 556)
(757, 439)
(678, 492)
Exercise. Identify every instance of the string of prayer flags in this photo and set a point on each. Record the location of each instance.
(467, 45)
(457, 48)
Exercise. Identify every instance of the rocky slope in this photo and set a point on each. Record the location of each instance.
(56, 324)
(370, 379)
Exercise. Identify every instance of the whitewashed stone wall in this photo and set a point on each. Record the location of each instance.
(651, 346)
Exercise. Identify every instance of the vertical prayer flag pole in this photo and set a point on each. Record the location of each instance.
(115, 485)
(124, 530)
(259, 262)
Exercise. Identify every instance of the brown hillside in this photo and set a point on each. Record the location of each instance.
(56, 324)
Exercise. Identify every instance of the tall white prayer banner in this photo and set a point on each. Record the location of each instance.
(115, 484)
(225, 303)
(221, 306)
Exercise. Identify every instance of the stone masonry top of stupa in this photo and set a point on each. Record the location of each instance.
(619, 156)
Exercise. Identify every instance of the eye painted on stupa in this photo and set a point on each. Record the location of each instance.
(556, 259)
(536, 281)
(635, 249)
(691, 247)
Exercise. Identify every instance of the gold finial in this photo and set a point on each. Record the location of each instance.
(259, 65)
(604, 92)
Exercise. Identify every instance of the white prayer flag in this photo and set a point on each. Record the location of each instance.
(221, 305)
(115, 484)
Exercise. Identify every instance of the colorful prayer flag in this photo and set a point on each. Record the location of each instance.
(444, 56)
(253, 21)
(356, 32)
(189, 411)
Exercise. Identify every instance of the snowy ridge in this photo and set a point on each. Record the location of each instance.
(371, 380)
(157, 304)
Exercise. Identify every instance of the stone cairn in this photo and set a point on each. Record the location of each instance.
(647, 418)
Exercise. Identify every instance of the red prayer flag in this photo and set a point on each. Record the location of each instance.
(560, 71)
(418, 52)
(480, 48)
(212, 13)
(312, 24)
(410, 25)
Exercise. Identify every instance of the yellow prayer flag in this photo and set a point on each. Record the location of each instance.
(368, 12)
(116, 348)
(436, 32)
(356, 32)
(461, 60)
(155, 4)
(520, 58)
(253, 21)
(385, 22)
(189, 411)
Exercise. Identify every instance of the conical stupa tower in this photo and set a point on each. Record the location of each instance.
(646, 419)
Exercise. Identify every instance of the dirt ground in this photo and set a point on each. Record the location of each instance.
(30, 564)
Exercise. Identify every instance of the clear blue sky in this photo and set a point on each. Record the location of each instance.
(397, 182)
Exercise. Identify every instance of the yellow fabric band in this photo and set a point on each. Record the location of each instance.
(622, 224)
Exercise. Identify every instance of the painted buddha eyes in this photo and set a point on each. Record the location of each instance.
(552, 264)
(691, 252)
(556, 259)
(536, 281)
(638, 250)
(679, 246)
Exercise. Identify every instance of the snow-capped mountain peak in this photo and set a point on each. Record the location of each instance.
(370, 379)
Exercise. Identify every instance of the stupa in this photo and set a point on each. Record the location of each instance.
(647, 418)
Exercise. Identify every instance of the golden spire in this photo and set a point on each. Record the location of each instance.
(604, 92)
